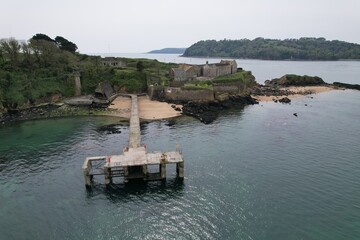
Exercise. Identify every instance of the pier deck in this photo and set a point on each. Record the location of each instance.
(134, 162)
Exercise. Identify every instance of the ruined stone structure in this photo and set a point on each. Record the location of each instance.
(112, 62)
(77, 84)
(186, 72)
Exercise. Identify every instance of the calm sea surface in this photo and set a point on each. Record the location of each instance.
(255, 173)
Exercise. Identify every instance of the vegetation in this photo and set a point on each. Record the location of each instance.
(295, 80)
(36, 70)
(271, 49)
(243, 77)
(198, 85)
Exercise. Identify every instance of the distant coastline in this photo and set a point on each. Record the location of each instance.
(169, 51)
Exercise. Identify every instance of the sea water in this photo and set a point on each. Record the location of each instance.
(255, 173)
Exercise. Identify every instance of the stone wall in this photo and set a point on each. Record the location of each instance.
(232, 88)
(178, 74)
(224, 69)
(178, 83)
(210, 71)
(156, 92)
(181, 94)
(178, 94)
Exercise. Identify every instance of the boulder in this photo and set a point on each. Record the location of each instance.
(284, 100)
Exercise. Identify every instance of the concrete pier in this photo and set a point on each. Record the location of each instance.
(135, 160)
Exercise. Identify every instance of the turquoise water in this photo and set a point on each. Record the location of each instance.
(255, 173)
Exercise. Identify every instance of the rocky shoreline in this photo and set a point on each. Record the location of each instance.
(207, 112)
(51, 110)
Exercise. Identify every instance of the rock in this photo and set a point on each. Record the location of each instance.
(346, 85)
(207, 112)
(284, 100)
(227, 103)
(110, 129)
(56, 97)
(295, 80)
(222, 97)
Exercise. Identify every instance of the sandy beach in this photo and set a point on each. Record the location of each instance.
(155, 110)
(148, 109)
(299, 92)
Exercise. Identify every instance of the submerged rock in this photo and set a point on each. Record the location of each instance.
(110, 129)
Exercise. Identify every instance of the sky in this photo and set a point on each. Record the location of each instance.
(124, 26)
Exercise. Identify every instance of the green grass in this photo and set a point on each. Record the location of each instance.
(236, 77)
(197, 86)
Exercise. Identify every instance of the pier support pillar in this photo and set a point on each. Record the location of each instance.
(86, 170)
(162, 168)
(87, 177)
(126, 174)
(180, 170)
(145, 171)
(108, 178)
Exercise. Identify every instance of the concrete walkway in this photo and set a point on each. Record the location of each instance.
(134, 135)
(134, 162)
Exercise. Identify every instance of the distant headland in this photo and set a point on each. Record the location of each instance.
(309, 49)
(169, 50)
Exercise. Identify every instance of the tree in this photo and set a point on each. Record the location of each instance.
(27, 53)
(46, 52)
(65, 44)
(140, 66)
(40, 36)
(10, 50)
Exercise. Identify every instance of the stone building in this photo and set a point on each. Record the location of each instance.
(186, 72)
(210, 70)
(232, 66)
(112, 62)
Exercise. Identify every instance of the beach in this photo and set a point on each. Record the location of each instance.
(148, 109)
(155, 110)
(298, 92)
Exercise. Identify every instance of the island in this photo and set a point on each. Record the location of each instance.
(169, 51)
(309, 49)
(45, 78)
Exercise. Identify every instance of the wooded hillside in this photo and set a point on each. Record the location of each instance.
(271, 49)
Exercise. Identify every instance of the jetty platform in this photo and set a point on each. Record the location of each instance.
(135, 161)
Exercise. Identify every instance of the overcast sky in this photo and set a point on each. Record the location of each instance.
(124, 26)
